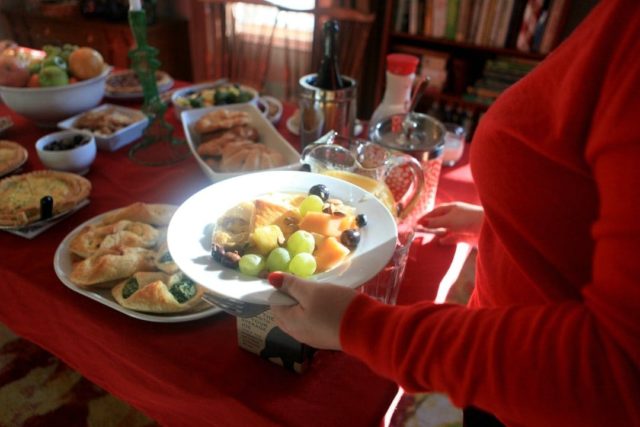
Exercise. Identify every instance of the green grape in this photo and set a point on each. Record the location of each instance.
(278, 260)
(301, 242)
(303, 265)
(311, 203)
(251, 264)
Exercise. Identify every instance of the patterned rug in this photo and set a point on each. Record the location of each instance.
(38, 390)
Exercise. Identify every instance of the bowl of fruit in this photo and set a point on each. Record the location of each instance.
(51, 85)
(212, 94)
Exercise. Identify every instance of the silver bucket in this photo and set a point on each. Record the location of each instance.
(324, 110)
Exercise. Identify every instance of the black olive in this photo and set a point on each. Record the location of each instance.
(361, 220)
(217, 252)
(305, 167)
(321, 191)
(350, 238)
(46, 207)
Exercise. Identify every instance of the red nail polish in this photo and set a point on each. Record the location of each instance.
(276, 278)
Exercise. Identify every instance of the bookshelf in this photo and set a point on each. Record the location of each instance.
(479, 43)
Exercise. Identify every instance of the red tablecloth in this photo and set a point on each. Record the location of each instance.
(191, 373)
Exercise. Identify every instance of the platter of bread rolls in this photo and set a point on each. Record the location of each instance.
(234, 140)
(121, 259)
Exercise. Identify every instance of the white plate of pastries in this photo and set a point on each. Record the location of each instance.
(234, 140)
(121, 259)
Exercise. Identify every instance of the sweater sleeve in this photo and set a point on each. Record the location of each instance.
(566, 362)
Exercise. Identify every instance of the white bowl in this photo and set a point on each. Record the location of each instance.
(209, 85)
(269, 136)
(121, 137)
(271, 107)
(48, 105)
(76, 160)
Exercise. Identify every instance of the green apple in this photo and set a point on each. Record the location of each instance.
(51, 75)
(56, 61)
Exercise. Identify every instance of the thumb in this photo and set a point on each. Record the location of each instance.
(291, 285)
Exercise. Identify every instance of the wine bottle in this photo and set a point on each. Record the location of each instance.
(329, 77)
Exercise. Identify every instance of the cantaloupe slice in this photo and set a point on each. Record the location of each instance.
(321, 223)
(329, 253)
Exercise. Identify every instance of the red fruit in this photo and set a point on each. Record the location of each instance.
(34, 81)
(13, 71)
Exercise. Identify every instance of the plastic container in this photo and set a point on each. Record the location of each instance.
(401, 72)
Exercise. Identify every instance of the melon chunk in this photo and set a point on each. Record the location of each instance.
(321, 223)
(330, 253)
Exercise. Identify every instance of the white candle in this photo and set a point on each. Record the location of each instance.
(135, 4)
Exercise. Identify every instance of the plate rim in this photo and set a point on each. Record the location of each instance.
(264, 293)
(94, 295)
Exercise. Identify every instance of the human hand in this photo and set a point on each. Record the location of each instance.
(315, 320)
(454, 222)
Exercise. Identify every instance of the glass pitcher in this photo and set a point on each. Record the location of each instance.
(368, 166)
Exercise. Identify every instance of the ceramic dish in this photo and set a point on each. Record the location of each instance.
(62, 264)
(5, 123)
(119, 138)
(185, 92)
(189, 234)
(133, 91)
(12, 157)
(268, 136)
(271, 107)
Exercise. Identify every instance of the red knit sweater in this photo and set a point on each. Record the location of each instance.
(552, 334)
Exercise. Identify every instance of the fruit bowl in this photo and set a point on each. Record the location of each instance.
(46, 106)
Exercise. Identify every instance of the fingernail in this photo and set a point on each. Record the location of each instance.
(276, 278)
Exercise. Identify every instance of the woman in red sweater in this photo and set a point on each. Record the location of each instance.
(551, 336)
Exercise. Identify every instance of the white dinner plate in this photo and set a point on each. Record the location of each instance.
(189, 234)
(62, 265)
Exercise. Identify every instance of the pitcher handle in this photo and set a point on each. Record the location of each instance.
(327, 138)
(408, 200)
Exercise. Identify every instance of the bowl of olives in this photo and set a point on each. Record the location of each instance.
(212, 94)
(67, 150)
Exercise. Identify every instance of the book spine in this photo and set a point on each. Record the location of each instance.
(501, 38)
(427, 28)
(439, 17)
(464, 20)
(514, 23)
(482, 22)
(475, 20)
(550, 37)
(452, 18)
(413, 16)
(529, 21)
(499, 10)
(401, 16)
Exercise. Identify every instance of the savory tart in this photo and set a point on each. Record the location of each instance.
(12, 156)
(126, 82)
(20, 195)
(157, 292)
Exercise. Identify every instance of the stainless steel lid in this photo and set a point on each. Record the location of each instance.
(412, 132)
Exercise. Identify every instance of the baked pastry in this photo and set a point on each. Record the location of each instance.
(107, 121)
(20, 195)
(234, 227)
(248, 156)
(107, 265)
(12, 156)
(154, 214)
(221, 119)
(164, 261)
(157, 293)
(122, 233)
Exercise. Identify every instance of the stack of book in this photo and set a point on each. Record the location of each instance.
(493, 23)
(498, 74)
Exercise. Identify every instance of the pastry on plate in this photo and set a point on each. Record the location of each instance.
(164, 260)
(12, 156)
(157, 292)
(149, 213)
(221, 119)
(122, 233)
(107, 265)
(20, 195)
(126, 82)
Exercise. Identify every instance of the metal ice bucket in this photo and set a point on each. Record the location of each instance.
(323, 110)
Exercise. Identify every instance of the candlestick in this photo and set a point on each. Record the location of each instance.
(158, 146)
(135, 4)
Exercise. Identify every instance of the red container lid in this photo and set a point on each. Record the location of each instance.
(402, 64)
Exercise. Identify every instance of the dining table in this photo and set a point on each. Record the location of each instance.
(192, 373)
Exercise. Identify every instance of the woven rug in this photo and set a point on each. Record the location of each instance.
(38, 390)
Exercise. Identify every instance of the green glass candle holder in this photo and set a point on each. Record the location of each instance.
(158, 146)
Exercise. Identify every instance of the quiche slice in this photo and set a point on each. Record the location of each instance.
(20, 195)
(126, 82)
(12, 156)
